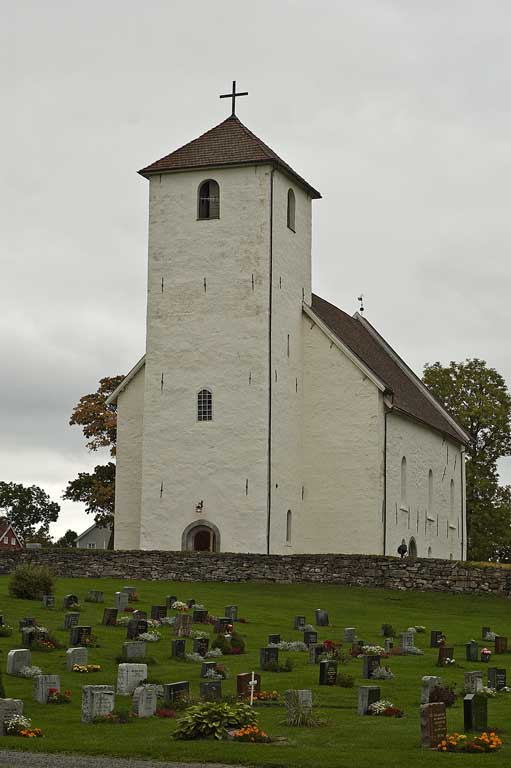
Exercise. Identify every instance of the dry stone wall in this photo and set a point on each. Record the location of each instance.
(349, 570)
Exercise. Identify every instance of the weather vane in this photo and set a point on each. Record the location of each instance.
(233, 96)
(361, 300)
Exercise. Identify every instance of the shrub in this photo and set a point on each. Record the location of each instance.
(274, 666)
(445, 693)
(233, 644)
(213, 719)
(5, 630)
(31, 582)
(345, 680)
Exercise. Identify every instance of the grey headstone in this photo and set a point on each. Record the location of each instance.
(268, 655)
(129, 676)
(97, 701)
(427, 684)
(472, 651)
(134, 649)
(231, 612)
(145, 700)
(76, 656)
(473, 682)
(299, 622)
(178, 648)
(406, 641)
(321, 618)
(18, 658)
(42, 684)
(71, 619)
(95, 596)
(206, 667)
(350, 634)
(297, 697)
(48, 601)
(211, 690)
(120, 601)
(8, 708)
(367, 695)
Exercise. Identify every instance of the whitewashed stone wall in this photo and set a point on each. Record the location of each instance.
(436, 526)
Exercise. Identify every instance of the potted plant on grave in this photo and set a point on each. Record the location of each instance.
(485, 655)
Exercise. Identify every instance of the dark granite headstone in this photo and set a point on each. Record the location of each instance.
(173, 692)
(190, 603)
(109, 617)
(170, 600)
(80, 635)
(327, 672)
(158, 612)
(28, 621)
(321, 618)
(445, 652)
(207, 666)
(273, 639)
(199, 615)
(211, 690)
(500, 644)
(69, 601)
(433, 724)
(221, 625)
(71, 619)
(496, 678)
(135, 627)
(48, 601)
(472, 651)
(200, 645)
(475, 712)
(369, 663)
(139, 615)
(315, 651)
(178, 648)
(484, 632)
(268, 656)
(299, 622)
(231, 611)
(243, 681)
(310, 637)
(434, 638)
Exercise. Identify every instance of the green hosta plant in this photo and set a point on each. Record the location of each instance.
(213, 718)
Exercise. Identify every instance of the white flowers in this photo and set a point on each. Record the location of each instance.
(382, 673)
(488, 692)
(150, 637)
(373, 650)
(293, 645)
(379, 707)
(16, 723)
(447, 661)
(213, 653)
(30, 671)
(178, 605)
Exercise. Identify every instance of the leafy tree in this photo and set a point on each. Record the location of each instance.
(478, 398)
(99, 425)
(68, 539)
(29, 509)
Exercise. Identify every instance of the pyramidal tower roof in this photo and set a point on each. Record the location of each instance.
(229, 143)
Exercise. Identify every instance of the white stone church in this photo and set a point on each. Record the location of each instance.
(262, 418)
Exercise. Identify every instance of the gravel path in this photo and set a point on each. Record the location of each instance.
(38, 760)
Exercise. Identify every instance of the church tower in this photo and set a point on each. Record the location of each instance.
(229, 269)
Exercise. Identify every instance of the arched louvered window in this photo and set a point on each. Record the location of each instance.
(291, 204)
(289, 523)
(209, 200)
(205, 405)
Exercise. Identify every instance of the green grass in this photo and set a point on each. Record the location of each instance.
(346, 741)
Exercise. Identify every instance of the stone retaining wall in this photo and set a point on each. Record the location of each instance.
(350, 570)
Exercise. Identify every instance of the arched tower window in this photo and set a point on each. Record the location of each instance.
(289, 522)
(404, 493)
(291, 205)
(209, 200)
(430, 491)
(205, 405)
(412, 548)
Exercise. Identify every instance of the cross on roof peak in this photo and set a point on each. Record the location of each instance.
(233, 96)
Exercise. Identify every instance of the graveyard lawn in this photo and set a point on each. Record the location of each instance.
(345, 741)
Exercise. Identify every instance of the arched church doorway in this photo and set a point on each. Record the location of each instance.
(412, 548)
(201, 536)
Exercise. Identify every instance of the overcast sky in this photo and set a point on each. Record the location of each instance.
(398, 111)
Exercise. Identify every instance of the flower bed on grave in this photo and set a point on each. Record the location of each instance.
(19, 725)
(58, 697)
(86, 668)
(487, 742)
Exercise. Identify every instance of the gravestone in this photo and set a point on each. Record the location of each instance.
(28, 621)
(433, 724)
(211, 690)
(367, 695)
(41, 685)
(48, 601)
(69, 601)
(243, 686)
(76, 656)
(178, 648)
(472, 651)
(199, 615)
(80, 635)
(435, 636)
(327, 672)
(1, 620)
(120, 601)
(158, 612)
(297, 697)
(135, 627)
(500, 644)
(183, 625)
(475, 712)
(273, 639)
(268, 655)
(18, 658)
(173, 692)
(369, 664)
(496, 678)
(388, 644)
(321, 618)
(310, 637)
(200, 645)
(134, 649)
(109, 617)
(8, 708)
(445, 652)
(387, 630)
(206, 667)
(299, 622)
(31, 635)
(315, 651)
(350, 634)
(406, 641)
(97, 701)
(130, 592)
(129, 676)
(191, 603)
(71, 619)
(231, 612)
(170, 600)
(472, 682)
(221, 624)
(484, 632)
(139, 615)
(95, 596)
(145, 700)
(429, 682)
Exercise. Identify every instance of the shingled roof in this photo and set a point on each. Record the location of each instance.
(410, 395)
(229, 143)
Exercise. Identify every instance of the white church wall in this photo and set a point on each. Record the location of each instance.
(343, 450)
(425, 508)
(128, 480)
(207, 327)
(291, 285)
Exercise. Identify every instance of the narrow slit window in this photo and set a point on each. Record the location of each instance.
(404, 492)
(205, 405)
(209, 200)
(289, 522)
(291, 205)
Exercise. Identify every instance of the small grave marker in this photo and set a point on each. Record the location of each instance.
(48, 601)
(211, 690)
(473, 682)
(475, 712)
(321, 618)
(80, 635)
(95, 596)
(97, 701)
(173, 692)
(8, 708)
(199, 615)
(310, 637)
(231, 612)
(18, 658)
(500, 644)
(268, 655)
(350, 634)
(200, 645)
(134, 649)
(273, 639)
(69, 601)
(145, 700)
(427, 684)
(42, 684)
(369, 664)
(76, 656)
(158, 612)
(71, 619)
(109, 617)
(178, 648)
(435, 636)
(496, 678)
(120, 601)
(327, 672)
(367, 695)
(299, 622)
(243, 684)
(472, 651)
(315, 651)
